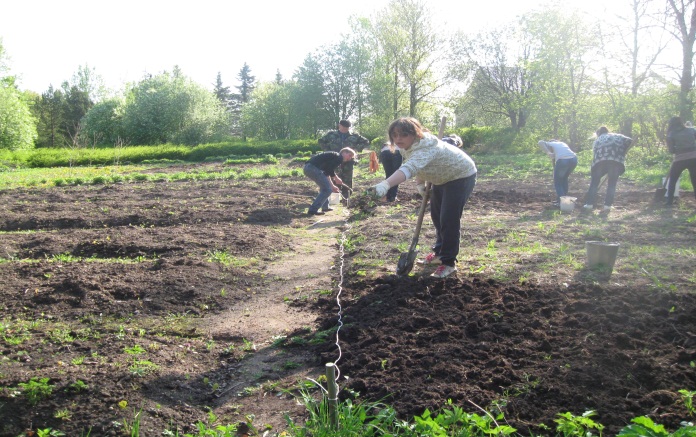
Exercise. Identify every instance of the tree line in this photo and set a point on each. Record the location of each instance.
(551, 73)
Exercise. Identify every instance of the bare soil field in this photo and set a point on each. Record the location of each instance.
(173, 300)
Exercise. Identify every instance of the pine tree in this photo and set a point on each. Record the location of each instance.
(222, 93)
(49, 113)
(247, 83)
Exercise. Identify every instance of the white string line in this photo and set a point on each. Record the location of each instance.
(340, 288)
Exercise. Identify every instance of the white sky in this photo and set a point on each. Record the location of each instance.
(47, 40)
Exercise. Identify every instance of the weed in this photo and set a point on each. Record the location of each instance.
(133, 427)
(142, 368)
(64, 414)
(645, 427)
(248, 391)
(249, 345)
(135, 350)
(688, 399)
(78, 386)
(278, 340)
(48, 432)
(36, 389)
(580, 426)
(61, 335)
(219, 256)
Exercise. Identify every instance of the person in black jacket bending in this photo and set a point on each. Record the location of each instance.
(321, 168)
(681, 141)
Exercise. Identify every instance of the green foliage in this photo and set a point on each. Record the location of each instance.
(36, 389)
(570, 425)
(168, 108)
(103, 121)
(688, 399)
(49, 432)
(212, 429)
(17, 128)
(645, 427)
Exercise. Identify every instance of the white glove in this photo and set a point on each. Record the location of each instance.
(421, 189)
(381, 188)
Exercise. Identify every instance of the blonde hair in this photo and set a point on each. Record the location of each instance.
(349, 150)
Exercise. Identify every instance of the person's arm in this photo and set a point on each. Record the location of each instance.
(548, 150)
(396, 178)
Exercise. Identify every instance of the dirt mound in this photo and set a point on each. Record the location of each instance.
(532, 351)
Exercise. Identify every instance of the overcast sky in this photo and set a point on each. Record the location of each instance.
(47, 40)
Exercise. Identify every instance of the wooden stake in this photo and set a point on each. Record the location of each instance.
(332, 388)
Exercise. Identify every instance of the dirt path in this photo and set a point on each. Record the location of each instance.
(274, 313)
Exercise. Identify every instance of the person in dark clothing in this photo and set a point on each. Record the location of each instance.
(681, 141)
(321, 168)
(391, 161)
(336, 140)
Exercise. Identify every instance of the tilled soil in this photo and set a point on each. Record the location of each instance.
(226, 286)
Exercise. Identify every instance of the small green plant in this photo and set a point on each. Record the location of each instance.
(688, 399)
(135, 350)
(142, 367)
(249, 345)
(63, 414)
(219, 256)
(78, 386)
(36, 389)
(570, 425)
(133, 427)
(48, 432)
(645, 427)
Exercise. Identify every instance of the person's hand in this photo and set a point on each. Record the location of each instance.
(421, 189)
(335, 189)
(381, 189)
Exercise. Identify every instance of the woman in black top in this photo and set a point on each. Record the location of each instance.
(321, 168)
(681, 141)
(391, 161)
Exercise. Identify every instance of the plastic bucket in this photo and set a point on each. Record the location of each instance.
(568, 203)
(665, 181)
(334, 198)
(601, 255)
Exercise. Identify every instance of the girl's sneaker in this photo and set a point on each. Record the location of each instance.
(443, 271)
(430, 259)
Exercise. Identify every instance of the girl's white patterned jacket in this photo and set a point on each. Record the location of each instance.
(436, 161)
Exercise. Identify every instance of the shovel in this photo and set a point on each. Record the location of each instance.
(406, 260)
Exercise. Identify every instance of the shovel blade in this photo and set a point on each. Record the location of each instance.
(405, 264)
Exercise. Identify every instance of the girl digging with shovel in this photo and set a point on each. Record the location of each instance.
(452, 174)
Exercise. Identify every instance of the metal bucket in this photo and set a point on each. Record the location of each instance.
(601, 255)
(568, 203)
